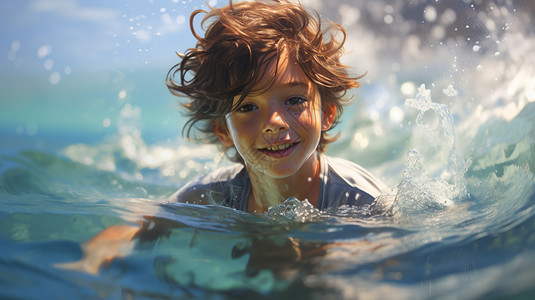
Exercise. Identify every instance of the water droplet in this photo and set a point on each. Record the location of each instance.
(54, 78)
(180, 19)
(430, 13)
(408, 88)
(396, 115)
(450, 91)
(44, 51)
(49, 64)
(31, 128)
(15, 46)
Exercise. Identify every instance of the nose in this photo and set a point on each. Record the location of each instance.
(275, 122)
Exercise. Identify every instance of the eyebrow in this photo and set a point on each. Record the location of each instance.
(294, 84)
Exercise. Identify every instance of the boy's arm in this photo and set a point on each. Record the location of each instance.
(112, 242)
(119, 241)
(116, 241)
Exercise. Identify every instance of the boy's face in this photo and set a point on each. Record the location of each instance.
(277, 132)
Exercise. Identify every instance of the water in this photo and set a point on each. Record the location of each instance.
(444, 116)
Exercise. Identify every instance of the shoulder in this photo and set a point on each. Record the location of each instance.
(355, 176)
(213, 188)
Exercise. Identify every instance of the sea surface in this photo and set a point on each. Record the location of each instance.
(445, 116)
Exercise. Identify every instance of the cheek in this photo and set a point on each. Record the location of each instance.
(310, 119)
(240, 130)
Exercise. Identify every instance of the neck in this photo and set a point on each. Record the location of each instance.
(268, 191)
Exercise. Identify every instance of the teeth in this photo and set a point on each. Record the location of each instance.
(278, 147)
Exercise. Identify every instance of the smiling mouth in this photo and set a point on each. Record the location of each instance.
(279, 150)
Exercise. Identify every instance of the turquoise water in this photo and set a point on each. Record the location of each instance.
(101, 145)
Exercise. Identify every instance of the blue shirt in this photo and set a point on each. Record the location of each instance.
(341, 183)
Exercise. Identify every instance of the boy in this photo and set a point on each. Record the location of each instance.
(265, 81)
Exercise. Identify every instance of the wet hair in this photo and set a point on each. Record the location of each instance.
(240, 41)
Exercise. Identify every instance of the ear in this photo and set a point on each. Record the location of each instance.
(221, 130)
(328, 116)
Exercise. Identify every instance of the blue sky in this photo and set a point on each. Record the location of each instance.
(64, 35)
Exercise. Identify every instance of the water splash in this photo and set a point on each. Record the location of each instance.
(128, 154)
(442, 135)
(293, 210)
(419, 191)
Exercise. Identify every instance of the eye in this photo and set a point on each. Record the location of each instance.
(296, 100)
(247, 107)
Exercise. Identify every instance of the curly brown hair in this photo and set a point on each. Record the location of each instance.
(240, 40)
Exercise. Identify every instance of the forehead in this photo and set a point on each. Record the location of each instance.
(281, 71)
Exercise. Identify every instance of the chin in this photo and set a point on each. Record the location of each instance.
(278, 172)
